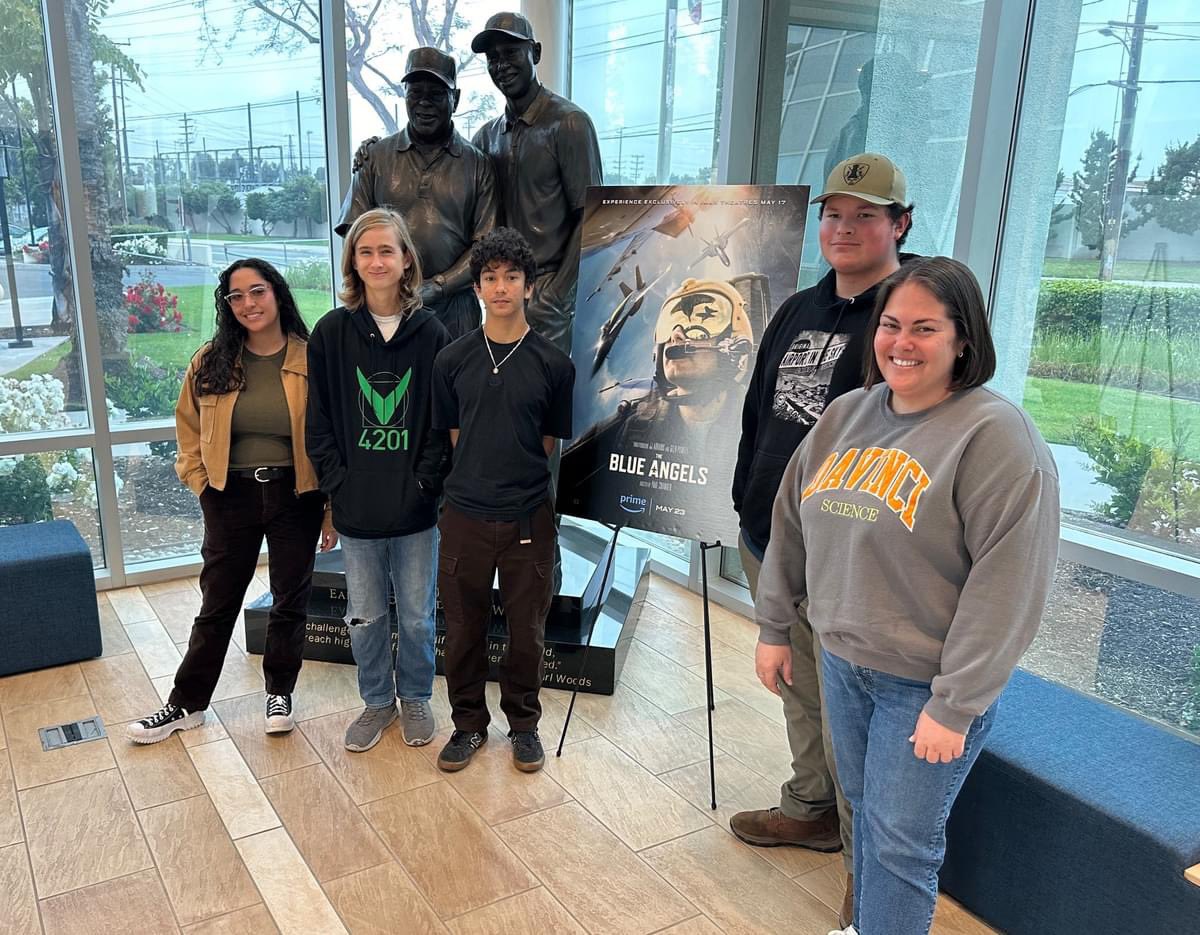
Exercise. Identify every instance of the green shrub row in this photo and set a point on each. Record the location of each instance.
(1125, 377)
(1082, 306)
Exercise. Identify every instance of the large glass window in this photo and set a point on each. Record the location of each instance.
(40, 361)
(200, 142)
(888, 76)
(378, 40)
(650, 77)
(1096, 310)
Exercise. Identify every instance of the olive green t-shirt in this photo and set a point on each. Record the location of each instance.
(262, 428)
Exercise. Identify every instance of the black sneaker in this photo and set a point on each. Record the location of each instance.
(458, 751)
(163, 723)
(279, 714)
(528, 755)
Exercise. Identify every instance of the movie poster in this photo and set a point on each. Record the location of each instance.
(676, 285)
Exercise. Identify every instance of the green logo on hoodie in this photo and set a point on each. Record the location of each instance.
(383, 405)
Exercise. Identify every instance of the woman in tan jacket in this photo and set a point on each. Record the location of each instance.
(240, 427)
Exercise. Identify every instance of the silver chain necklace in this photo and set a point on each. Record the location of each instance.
(496, 366)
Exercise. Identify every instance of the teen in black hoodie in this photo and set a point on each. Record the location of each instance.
(811, 353)
(370, 439)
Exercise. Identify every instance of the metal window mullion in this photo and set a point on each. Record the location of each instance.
(142, 433)
(28, 444)
(336, 105)
(740, 91)
(62, 95)
(992, 137)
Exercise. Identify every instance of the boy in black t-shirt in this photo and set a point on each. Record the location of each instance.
(504, 394)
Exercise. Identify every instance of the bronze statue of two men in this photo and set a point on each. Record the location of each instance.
(529, 168)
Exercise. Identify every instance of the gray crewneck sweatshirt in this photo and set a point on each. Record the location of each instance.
(925, 543)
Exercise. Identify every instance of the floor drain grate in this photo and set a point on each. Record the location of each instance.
(66, 735)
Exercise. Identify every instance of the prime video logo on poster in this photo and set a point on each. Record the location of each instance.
(632, 504)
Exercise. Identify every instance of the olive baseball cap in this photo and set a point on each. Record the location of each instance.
(430, 61)
(869, 176)
(499, 25)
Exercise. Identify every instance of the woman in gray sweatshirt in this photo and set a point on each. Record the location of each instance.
(919, 520)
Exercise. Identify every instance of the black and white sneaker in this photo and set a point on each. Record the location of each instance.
(458, 751)
(163, 723)
(279, 714)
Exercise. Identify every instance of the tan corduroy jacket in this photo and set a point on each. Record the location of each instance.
(203, 425)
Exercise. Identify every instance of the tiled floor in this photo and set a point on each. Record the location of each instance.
(225, 830)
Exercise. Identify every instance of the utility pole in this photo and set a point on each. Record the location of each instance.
(250, 133)
(299, 132)
(188, 126)
(1115, 209)
(291, 158)
(620, 150)
(117, 139)
(637, 159)
(666, 107)
(125, 126)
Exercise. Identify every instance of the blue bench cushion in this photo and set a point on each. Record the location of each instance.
(1078, 817)
(48, 595)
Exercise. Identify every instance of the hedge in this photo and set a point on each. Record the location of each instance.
(1081, 306)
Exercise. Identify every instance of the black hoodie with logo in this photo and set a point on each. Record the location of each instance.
(810, 354)
(369, 433)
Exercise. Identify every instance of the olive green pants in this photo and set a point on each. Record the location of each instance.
(813, 788)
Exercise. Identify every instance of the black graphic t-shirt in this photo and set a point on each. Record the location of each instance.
(368, 430)
(499, 468)
(804, 374)
(811, 353)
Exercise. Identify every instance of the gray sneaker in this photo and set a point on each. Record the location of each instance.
(366, 730)
(417, 720)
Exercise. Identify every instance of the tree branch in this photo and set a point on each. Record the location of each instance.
(308, 36)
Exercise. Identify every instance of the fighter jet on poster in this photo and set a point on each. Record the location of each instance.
(627, 254)
(630, 305)
(717, 246)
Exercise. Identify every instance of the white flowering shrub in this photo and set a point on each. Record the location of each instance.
(140, 249)
(33, 405)
(27, 483)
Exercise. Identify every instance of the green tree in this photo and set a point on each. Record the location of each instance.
(24, 75)
(1172, 196)
(1089, 188)
(259, 207)
(216, 199)
(301, 199)
(232, 167)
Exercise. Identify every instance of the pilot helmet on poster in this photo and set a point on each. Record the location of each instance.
(703, 317)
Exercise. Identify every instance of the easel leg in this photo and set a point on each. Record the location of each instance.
(708, 673)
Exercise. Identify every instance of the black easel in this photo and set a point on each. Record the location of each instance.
(604, 584)
(708, 674)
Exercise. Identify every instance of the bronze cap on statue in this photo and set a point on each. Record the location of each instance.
(430, 61)
(513, 25)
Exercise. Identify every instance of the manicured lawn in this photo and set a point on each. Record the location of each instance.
(1136, 270)
(174, 350)
(253, 238)
(1058, 407)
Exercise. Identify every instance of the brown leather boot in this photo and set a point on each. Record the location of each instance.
(846, 913)
(770, 827)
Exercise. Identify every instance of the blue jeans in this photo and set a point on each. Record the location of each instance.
(411, 564)
(900, 803)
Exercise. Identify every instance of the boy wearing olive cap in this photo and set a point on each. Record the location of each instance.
(811, 353)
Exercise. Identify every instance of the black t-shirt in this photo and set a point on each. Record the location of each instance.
(499, 468)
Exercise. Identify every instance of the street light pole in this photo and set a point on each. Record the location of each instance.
(21, 340)
(1120, 177)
